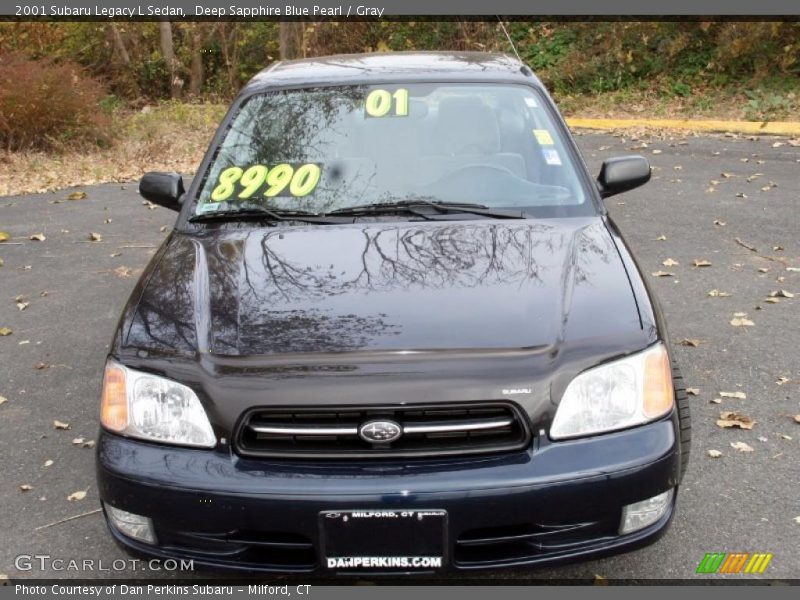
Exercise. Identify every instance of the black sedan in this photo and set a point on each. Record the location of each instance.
(394, 330)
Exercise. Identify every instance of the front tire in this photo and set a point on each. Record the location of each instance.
(684, 417)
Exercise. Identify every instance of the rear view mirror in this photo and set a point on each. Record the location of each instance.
(164, 189)
(621, 174)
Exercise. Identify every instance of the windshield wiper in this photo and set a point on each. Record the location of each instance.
(264, 214)
(439, 207)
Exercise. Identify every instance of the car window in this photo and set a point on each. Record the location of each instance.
(329, 148)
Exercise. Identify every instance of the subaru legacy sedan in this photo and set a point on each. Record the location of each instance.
(394, 330)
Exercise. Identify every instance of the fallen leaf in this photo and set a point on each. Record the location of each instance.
(717, 294)
(3, 400)
(719, 223)
(95, 237)
(754, 176)
(670, 262)
(714, 453)
(41, 365)
(727, 175)
(48, 463)
(89, 444)
(599, 579)
(763, 270)
(663, 274)
(76, 196)
(741, 195)
(781, 294)
(734, 419)
(661, 238)
(115, 254)
(762, 439)
(741, 447)
(60, 425)
(5, 331)
(797, 520)
(793, 269)
(23, 305)
(736, 395)
(79, 495)
(741, 322)
(771, 300)
(716, 401)
(38, 237)
(786, 437)
(4, 236)
(699, 262)
(107, 221)
(693, 391)
(690, 342)
(745, 245)
(797, 418)
(25, 487)
(766, 188)
(123, 271)
(163, 228)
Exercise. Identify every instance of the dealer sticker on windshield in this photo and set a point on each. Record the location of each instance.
(543, 137)
(284, 179)
(385, 540)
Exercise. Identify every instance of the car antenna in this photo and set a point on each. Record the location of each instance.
(508, 37)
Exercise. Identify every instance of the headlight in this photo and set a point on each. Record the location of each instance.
(616, 395)
(153, 408)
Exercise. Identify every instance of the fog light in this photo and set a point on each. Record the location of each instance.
(135, 526)
(639, 515)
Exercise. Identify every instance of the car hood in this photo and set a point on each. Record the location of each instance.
(377, 286)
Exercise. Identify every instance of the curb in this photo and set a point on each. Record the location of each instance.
(791, 128)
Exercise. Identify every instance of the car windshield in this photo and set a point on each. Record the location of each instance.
(325, 149)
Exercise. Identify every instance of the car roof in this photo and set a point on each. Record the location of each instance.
(388, 67)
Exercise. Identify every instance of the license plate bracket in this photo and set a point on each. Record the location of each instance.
(393, 540)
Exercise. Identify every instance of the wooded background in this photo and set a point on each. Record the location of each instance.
(103, 72)
(143, 61)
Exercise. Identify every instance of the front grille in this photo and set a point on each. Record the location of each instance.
(425, 431)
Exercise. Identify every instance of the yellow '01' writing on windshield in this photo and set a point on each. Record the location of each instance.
(280, 180)
(383, 103)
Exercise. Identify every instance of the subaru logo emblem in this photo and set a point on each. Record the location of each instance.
(380, 431)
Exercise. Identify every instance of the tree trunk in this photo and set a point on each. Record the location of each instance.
(119, 45)
(197, 68)
(290, 37)
(168, 52)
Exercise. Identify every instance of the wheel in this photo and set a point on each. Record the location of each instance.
(684, 418)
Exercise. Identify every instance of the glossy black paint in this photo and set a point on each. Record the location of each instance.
(622, 174)
(387, 311)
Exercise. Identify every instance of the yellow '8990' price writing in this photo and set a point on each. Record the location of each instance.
(281, 180)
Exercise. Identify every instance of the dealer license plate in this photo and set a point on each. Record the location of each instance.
(384, 540)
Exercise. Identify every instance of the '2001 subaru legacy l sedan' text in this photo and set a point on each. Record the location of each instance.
(393, 330)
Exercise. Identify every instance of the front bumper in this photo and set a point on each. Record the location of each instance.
(553, 502)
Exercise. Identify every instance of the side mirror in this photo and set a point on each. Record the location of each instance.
(621, 174)
(164, 189)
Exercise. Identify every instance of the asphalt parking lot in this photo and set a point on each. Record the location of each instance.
(61, 297)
